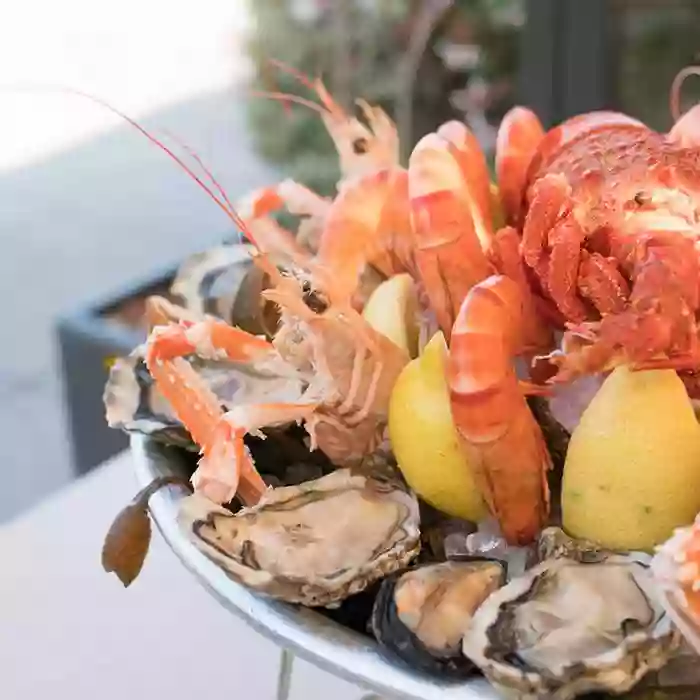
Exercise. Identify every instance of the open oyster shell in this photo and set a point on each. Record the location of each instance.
(225, 282)
(568, 627)
(315, 543)
(134, 404)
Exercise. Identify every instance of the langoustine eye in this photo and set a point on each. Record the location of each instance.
(642, 199)
(360, 146)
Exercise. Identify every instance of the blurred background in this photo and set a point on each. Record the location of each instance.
(93, 217)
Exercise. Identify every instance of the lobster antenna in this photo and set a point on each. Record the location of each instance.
(224, 204)
(290, 70)
(316, 86)
(286, 98)
(675, 100)
(192, 154)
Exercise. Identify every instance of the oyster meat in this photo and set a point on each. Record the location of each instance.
(420, 615)
(315, 543)
(567, 627)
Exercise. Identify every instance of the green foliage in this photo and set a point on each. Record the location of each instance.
(361, 57)
(294, 137)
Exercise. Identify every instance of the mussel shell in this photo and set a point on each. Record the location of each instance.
(400, 641)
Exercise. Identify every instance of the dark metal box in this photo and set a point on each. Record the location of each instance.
(89, 339)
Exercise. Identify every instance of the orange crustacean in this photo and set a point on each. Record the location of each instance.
(399, 220)
(599, 241)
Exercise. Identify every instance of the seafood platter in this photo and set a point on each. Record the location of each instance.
(447, 424)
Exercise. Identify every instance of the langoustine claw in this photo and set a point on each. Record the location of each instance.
(226, 467)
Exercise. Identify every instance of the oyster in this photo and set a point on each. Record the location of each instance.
(554, 543)
(420, 615)
(134, 404)
(225, 282)
(568, 627)
(314, 544)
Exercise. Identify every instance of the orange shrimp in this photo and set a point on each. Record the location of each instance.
(362, 148)
(368, 223)
(519, 136)
(451, 226)
(455, 246)
(500, 436)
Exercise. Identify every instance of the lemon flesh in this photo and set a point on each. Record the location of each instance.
(424, 439)
(392, 310)
(632, 471)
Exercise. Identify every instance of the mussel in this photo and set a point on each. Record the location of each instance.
(420, 615)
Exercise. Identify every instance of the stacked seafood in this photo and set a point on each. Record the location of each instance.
(456, 415)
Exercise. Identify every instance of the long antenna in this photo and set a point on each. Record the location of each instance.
(675, 98)
(224, 204)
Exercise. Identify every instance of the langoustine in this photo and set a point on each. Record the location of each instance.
(347, 368)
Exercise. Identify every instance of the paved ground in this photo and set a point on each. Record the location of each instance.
(79, 224)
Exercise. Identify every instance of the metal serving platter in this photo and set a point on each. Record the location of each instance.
(310, 635)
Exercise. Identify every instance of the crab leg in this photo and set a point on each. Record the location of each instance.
(226, 468)
(211, 338)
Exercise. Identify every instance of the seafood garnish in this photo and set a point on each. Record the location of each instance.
(592, 266)
(314, 544)
(566, 628)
